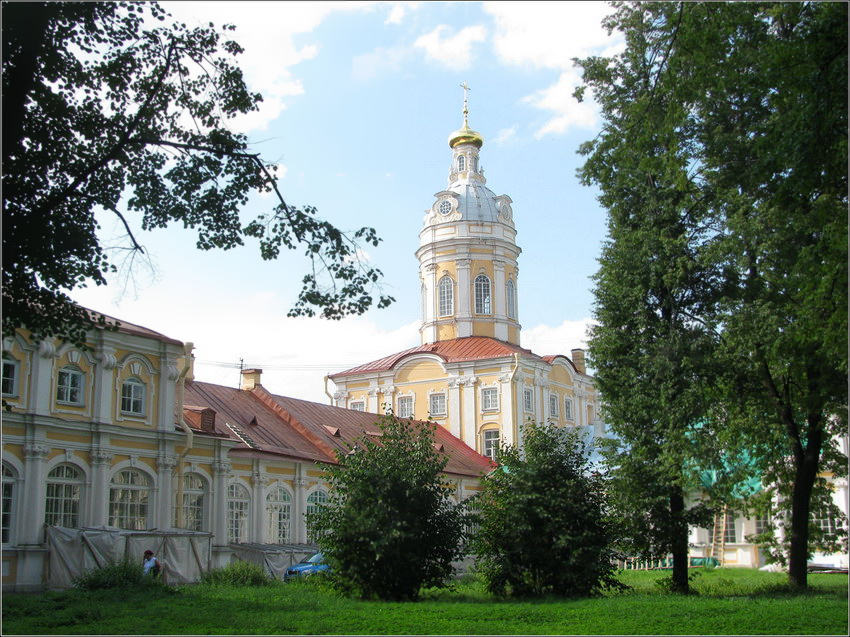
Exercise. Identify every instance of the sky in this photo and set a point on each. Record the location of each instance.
(359, 100)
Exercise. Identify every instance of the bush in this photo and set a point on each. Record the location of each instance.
(390, 528)
(542, 528)
(237, 573)
(115, 574)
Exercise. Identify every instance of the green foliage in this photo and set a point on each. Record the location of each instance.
(105, 114)
(542, 525)
(116, 574)
(390, 527)
(722, 291)
(237, 573)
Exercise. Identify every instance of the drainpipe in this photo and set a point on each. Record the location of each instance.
(190, 436)
(327, 393)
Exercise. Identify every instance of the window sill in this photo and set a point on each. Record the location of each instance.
(67, 404)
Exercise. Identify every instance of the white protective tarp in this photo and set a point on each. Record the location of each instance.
(184, 555)
(274, 558)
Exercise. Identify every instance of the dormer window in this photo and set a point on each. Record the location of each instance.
(461, 163)
(69, 386)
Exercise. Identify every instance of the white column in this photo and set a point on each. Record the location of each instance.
(388, 398)
(259, 502)
(32, 513)
(40, 383)
(453, 399)
(299, 530)
(167, 392)
(221, 473)
(500, 309)
(372, 405)
(469, 421)
(165, 464)
(339, 398)
(506, 405)
(463, 312)
(101, 460)
(104, 391)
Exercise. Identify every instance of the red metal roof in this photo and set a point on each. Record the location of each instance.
(468, 348)
(303, 429)
(132, 328)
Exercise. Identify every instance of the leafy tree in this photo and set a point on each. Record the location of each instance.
(740, 111)
(542, 519)
(103, 112)
(390, 526)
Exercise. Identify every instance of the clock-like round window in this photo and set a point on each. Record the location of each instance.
(445, 207)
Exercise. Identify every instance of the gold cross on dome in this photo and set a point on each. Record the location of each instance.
(466, 90)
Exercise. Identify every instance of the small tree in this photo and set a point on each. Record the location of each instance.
(542, 519)
(390, 527)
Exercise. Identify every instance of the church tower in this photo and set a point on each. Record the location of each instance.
(467, 252)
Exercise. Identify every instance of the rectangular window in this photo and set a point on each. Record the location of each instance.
(730, 535)
(8, 500)
(553, 405)
(69, 387)
(568, 409)
(490, 399)
(491, 443)
(358, 405)
(237, 520)
(761, 525)
(405, 406)
(824, 521)
(528, 400)
(10, 378)
(62, 507)
(438, 404)
(133, 398)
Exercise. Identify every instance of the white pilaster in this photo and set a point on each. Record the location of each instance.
(259, 509)
(299, 530)
(372, 403)
(101, 460)
(463, 302)
(32, 513)
(469, 422)
(453, 399)
(221, 473)
(165, 464)
(506, 404)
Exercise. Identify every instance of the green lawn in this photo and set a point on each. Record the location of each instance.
(729, 601)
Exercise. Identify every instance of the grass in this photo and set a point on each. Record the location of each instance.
(728, 601)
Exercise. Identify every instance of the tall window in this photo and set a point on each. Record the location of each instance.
(824, 521)
(238, 503)
(528, 399)
(133, 397)
(8, 502)
(191, 505)
(64, 487)
(461, 163)
(475, 164)
(730, 536)
(278, 513)
(482, 294)
(70, 386)
(511, 294)
(315, 501)
(553, 405)
(762, 524)
(405, 407)
(129, 498)
(568, 409)
(446, 293)
(489, 399)
(10, 377)
(491, 443)
(438, 404)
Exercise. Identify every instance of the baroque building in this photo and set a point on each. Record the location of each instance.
(470, 374)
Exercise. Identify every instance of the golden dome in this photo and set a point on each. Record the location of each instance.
(466, 135)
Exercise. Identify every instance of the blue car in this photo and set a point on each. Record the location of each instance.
(310, 566)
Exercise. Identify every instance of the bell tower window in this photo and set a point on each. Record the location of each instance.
(446, 289)
(461, 163)
(482, 294)
(475, 164)
(511, 294)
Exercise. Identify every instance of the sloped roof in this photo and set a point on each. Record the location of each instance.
(131, 328)
(551, 357)
(306, 430)
(467, 348)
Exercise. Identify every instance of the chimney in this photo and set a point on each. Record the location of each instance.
(208, 420)
(251, 378)
(578, 359)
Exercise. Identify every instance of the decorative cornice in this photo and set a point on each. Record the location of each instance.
(100, 456)
(166, 463)
(220, 467)
(35, 450)
(46, 349)
(108, 360)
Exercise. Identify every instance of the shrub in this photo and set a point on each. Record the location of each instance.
(237, 573)
(115, 574)
(542, 528)
(390, 527)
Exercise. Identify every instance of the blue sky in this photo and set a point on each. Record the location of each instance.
(360, 99)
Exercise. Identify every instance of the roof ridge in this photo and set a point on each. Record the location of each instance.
(263, 395)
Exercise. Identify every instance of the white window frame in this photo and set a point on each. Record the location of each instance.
(445, 296)
(315, 501)
(569, 413)
(489, 443)
(553, 405)
(730, 535)
(510, 293)
(138, 394)
(461, 163)
(528, 399)
(63, 500)
(194, 504)
(130, 502)
(278, 515)
(238, 512)
(483, 295)
(402, 413)
(13, 365)
(489, 399)
(357, 405)
(435, 397)
(10, 501)
(64, 390)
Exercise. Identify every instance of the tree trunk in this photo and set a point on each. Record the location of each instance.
(805, 472)
(679, 541)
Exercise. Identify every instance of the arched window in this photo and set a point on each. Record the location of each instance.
(475, 164)
(10, 376)
(446, 292)
(129, 499)
(64, 489)
(238, 503)
(189, 509)
(315, 502)
(511, 294)
(133, 397)
(278, 514)
(9, 495)
(461, 163)
(482, 294)
(70, 386)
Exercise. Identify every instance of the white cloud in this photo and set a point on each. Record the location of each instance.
(559, 339)
(381, 60)
(549, 35)
(398, 10)
(453, 51)
(505, 135)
